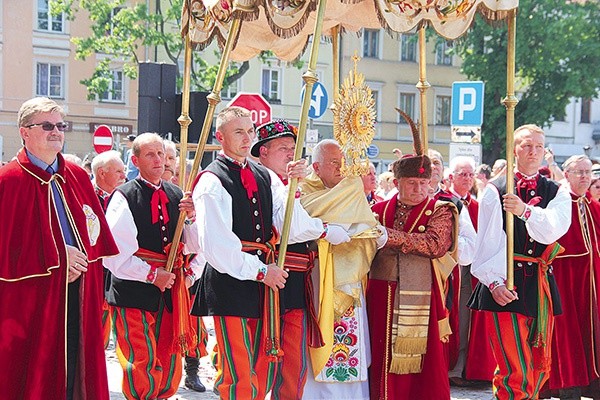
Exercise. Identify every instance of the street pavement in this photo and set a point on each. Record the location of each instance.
(207, 372)
(207, 377)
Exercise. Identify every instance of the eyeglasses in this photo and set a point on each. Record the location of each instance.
(581, 172)
(466, 175)
(49, 127)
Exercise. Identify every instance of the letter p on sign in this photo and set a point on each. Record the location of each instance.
(467, 103)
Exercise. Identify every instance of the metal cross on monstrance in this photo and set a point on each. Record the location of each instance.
(244, 28)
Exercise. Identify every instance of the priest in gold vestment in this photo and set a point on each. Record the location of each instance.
(340, 368)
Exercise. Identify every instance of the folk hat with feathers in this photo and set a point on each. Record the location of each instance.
(416, 165)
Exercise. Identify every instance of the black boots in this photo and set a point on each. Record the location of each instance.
(192, 381)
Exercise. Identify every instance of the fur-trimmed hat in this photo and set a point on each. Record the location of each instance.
(412, 166)
(272, 130)
(416, 165)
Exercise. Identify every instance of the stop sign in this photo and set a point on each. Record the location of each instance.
(103, 139)
(260, 109)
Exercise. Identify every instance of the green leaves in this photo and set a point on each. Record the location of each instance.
(557, 57)
(121, 35)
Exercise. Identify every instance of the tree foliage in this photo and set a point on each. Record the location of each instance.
(120, 33)
(557, 58)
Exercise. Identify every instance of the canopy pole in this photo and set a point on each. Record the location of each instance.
(510, 102)
(214, 98)
(184, 119)
(423, 85)
(335, 50)
(309, 77)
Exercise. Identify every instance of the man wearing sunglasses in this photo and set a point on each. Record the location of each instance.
(50, 267)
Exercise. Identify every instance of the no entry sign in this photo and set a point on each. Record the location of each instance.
(103, 139)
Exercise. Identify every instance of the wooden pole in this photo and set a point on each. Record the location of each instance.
(510, 102)
(214, 98)
(310, 77)
(423, 85)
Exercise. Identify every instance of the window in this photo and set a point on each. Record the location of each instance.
(270, 84)
(375, 94)
(47, 22)
(586, 108)
(230, 91)
(442, 54)
(407, 104)
(49, 80)
(442, 110)
(408, 49)
(115, 88)
(113, 14)
(371, 43)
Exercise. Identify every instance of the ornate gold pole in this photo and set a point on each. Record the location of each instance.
(510, 102)
(310, 77)
(423, 85)
(214, 98)
(335, 50)
(184, 119)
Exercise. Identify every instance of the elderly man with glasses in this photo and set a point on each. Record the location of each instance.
(473, 358)
(50, 267)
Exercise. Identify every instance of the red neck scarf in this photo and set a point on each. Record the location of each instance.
(248, 181)
(159, 197)
(526, 182)
(246, 175)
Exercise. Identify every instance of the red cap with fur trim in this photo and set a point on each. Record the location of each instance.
(412, 166)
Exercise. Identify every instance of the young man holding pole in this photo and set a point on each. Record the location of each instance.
(521, 320)
(233, 197)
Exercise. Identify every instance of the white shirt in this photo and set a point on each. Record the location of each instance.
(221, 247)
(125, 265)
(545, 225)
(467, 238)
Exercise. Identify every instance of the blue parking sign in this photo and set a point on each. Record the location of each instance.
(467, 103)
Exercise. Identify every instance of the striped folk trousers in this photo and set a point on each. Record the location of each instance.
(293, 368)
(518, 375)
(144, 348)
(244, 371)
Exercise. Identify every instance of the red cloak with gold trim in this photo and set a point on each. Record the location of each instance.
(575, 352)
(33, 282)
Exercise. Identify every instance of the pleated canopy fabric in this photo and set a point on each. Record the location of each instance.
(285, 26)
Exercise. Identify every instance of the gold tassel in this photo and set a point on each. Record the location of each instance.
(412, 345)
(445, 330)
(405, 365)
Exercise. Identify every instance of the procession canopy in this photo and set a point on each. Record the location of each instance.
(284, 26)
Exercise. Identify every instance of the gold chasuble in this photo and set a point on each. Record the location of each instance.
(344, 264)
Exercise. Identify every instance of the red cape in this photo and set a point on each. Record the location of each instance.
(575, 352)
(33, 283)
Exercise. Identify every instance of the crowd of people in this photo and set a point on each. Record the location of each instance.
(393, 287)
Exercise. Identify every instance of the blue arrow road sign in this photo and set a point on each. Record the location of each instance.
(467, 103)
(318, 100)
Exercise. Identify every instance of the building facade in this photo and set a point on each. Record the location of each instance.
(37, 59)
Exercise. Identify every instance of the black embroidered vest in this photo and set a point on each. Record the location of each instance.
(136, 294)
(221, 294)
(525, 273)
